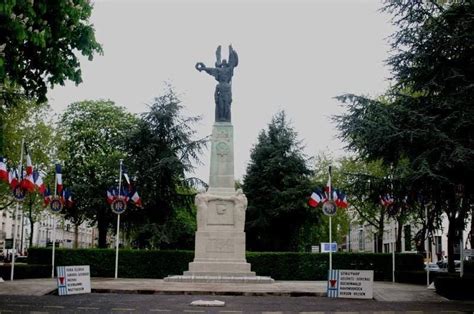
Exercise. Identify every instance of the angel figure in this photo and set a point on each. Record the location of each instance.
(223, 73)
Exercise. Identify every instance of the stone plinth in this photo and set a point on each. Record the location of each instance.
(220, 238)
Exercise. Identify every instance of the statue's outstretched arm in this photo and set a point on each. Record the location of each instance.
(201, 67)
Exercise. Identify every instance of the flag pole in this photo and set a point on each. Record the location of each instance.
(17, 208)
(118, 224)
(54, 226)
(330, 222)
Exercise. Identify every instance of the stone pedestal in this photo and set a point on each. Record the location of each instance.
(220, 237)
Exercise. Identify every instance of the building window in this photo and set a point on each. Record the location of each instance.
(386, 247)
(407, 235)
(361, 240)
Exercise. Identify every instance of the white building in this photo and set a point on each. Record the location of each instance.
(362, 238)
(43, 231)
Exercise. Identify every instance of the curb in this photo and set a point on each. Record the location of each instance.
(197, 292)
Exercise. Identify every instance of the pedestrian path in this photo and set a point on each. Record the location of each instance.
(383, 291)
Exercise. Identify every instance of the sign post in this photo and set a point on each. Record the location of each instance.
(329, 209)
(19, 195)
(56, 205)
(118, 206)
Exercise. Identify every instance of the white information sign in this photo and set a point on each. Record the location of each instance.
(73, 279)
(352, 284)
(326, 247)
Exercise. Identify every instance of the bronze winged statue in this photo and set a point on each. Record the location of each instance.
(223, 73)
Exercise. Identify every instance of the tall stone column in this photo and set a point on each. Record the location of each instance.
(219, 254)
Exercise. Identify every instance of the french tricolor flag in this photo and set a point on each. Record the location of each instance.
(3, 169)
(38, 177)
(59, 179)
(29, 164)
(315, 199)
(13, 178)
(136, 199)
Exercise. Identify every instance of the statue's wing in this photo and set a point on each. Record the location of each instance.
(233, 57)
(218, 56)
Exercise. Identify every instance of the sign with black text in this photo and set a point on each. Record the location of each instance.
(73, 279)
(351, 284)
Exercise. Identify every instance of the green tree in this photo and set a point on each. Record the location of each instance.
(31, 121)
(92, 142)
(163, 150)
(277, 185)
(427, 116)
(39, 41)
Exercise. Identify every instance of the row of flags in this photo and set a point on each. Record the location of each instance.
(30, 179)
(126, 193)
(317, 197)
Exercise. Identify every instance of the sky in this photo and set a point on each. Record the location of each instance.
(294, 55)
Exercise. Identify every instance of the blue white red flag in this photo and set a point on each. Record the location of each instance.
(47, 196)
(29, 164)
(38, 178)
(341, 200)
(136, 199)
(315, 199)
(59, 179)
(13, 179)
(3, 169)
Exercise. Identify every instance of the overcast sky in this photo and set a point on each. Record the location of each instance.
(294, 55)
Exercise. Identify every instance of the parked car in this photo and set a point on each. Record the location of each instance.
(443, 265)
(432, 267)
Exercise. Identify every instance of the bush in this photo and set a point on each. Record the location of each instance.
(469, 267)
(278, 265)
(455, 288)
(23, 271)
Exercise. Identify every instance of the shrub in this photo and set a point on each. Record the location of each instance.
(278, 265)
(23, 271)
(455, 288)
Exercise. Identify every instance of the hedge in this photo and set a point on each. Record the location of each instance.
(455, 288)
(278, 265)
(24, 271)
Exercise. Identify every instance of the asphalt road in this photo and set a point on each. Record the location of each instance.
(126, 303)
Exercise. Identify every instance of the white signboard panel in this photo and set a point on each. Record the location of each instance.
(73, 279)
(352, 284)
(327, 247)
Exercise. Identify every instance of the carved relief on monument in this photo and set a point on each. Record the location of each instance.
(221, 210)
(220, 246)
(220, 213)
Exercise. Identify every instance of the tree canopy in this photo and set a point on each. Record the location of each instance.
(164, 151)
(426, 117)
(93, 141)
(39, 41)
(277, 185)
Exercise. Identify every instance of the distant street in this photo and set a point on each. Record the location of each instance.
(125, 303)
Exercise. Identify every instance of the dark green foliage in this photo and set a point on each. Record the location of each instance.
(40, 41)
(25, 271)
(278, 265)
(277, 187)
(426, 117)
(455, 288)
(164, 150)
(93, 135)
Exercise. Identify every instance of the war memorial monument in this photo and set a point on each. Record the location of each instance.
(219, 254)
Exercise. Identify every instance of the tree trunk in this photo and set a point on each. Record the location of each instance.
(76, 235)
(32, 229)
(380, 231)
(472, 229)
(102, 227)
(451, 242)
(398, 244)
